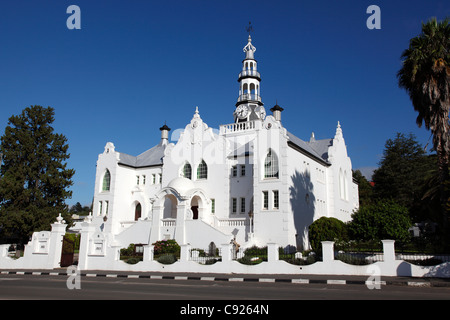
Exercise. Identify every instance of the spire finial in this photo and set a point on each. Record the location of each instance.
(196, 114)
(338, 131)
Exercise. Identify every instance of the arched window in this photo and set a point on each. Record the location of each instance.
(137, 211)
(187, 171)
(343, 185)
(271, 165)
(106, 181)
(202, 170)
(245, 88)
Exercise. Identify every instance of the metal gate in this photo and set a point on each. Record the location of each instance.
(68, 249)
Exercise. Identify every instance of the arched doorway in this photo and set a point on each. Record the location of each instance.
(170, 207)
(196, 202)
(137, 211)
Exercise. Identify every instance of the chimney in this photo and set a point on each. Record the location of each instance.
(164, 134)
(276, 111)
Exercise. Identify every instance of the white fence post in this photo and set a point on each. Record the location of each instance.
(185, 252)
(86, 230)
(148, 252)
(56, 238)
(388, 250)
(272, 252)
(327, 251)
(227, 255)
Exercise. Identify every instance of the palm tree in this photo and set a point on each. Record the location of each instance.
(425, 75)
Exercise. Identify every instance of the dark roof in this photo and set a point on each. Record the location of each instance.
(164, 127)
(149, 158)
(317, 149)
(276, 107)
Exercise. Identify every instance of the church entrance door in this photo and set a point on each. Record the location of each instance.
(194, 212)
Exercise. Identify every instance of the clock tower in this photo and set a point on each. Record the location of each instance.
(249, 106)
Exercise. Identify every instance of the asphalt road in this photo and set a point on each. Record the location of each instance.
(41, 287)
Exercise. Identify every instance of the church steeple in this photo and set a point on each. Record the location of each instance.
(249, 105)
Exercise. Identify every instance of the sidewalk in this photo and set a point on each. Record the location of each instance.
(303, 279)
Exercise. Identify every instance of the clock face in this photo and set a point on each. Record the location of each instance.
(242, 111)
(261, 112)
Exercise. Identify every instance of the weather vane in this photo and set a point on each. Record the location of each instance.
(249, 28)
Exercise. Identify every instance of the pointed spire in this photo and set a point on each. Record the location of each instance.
(338, 134)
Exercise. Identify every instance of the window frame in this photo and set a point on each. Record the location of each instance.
(202, 170)
(271, 165)
(276, 199)
(187, 168)
(242, 208)
(233, 205)
(265, 202)
(106, 181)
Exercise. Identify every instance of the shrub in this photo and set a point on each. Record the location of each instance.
(129, 255)
(256, 251)
(167, 259)
(127, 252)
(166, 246)
(254, 255)
(248, 260)
(384, 219)
(326, 229)
(133, 260)
(75, 238)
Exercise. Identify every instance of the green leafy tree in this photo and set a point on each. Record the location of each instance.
(425, 75)
(77, 208)
(383, 219)
(401, 170)
(365, 190)
(326, 229)
(34, 178)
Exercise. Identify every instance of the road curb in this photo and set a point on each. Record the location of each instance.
(299, 281)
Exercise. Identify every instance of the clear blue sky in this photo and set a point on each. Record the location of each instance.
(136, 64)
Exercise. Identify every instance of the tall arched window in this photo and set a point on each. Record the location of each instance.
(252, 88)
(343, 189)
(202, 170)
(106, 181)
(137, 211)
(187, 171)
(271, 165)
(345, 186)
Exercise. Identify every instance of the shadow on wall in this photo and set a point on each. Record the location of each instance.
(303, 205)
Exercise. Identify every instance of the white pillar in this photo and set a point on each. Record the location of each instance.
(180, 232)
(157, 214)
(388, 250)
(185, 252)
(56, 238)
(226, 252)
(327, 251)
(272, 252)
(86, 230)
(148, 252)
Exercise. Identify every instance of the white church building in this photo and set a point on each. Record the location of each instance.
(252, 181)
